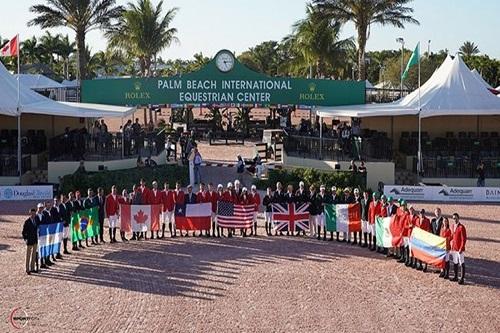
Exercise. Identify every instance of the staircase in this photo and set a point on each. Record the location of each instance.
(406, 177)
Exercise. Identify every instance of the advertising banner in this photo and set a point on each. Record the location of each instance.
(443, 193)
(18, 193)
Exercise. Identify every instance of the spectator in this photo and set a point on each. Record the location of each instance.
(480, 175)
(140, 163)
(127, 137)
(240, 167)
(353, 167)
(197, 160)
(362, 168)
(170, 146)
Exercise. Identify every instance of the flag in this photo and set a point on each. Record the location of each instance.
(427, 247)
(388, 231)
(193, 216)
(10, 49)
(343, 218)
(414, 59)
(230, 215)
(291, 217)
(140, 218)
(49, 239)
(84, 224)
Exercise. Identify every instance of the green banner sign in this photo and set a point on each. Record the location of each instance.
(223, 80)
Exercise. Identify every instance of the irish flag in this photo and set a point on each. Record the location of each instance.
(389, 230)
(140, 218)
(343, 218)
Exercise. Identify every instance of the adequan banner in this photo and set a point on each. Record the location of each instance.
(444, 193)
(19, 193)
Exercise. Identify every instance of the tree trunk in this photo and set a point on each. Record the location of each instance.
(82, 63)
(361, 52)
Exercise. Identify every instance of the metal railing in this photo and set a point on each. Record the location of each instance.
(459, 167)
(337, 149)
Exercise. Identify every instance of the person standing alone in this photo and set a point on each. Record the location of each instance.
(30, 236)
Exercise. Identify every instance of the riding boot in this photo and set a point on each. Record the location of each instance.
(331, 236)
(65, 243)
(338, 237)
(402, 252)
(365, 238)
(122, 236)
(111, 235)
(152, 234)
(324, 234)
(446, 270)
(462, 274)
(114, 235)
(319, 233)
(374, 244)
(455, 271)
(407, 256)
(255, 228)
(163, 230)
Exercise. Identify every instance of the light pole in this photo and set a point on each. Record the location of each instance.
(428, 48)
(402, 42)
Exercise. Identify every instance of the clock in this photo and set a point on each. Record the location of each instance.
(224, 60)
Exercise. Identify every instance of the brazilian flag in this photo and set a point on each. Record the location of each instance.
(84, 224)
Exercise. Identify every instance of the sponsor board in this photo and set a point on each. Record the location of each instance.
(443, 193)
(18, 193)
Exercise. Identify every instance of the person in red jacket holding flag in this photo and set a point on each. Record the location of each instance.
(458, 248)
(167, 210)
(425, 224)
(445, 232)
(254, 195)
(124, 199)
(203, 197)
(220, 197)
(146, 200)
(112, 210)
(155, 198)
(373, 211)
(179, 198)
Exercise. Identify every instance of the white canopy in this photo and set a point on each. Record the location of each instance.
(451, 90)
(70, 84)
(32, 102)
(38, 81)
(480, 78)
(368, 85)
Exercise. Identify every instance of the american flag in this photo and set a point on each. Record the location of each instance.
(291, 217)
(230, 215)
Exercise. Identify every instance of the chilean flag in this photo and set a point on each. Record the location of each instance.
(193, 216)
(11, 49)
(140, 218)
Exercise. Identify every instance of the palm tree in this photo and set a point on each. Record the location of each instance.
(143, 31)
(364, 13)
(64, 50)
(81, 16)
(468, 49)
(30, 51)
(317, 41)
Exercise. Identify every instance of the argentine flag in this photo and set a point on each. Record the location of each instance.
(49, 239)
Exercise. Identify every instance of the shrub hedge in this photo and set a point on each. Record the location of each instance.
(340, 179)
(124, 178)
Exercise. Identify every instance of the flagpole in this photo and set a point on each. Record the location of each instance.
(419, 157)
(19, 152)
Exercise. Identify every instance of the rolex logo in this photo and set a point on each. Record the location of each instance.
(312, 87)
(137, 85)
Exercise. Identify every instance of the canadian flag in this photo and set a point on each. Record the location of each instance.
(140, 218)
(10, 49)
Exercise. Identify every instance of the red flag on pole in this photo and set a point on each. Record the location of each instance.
(10, 49)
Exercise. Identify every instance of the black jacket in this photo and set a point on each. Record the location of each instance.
(321, 202)
(289, 197)
(267, 202)
(55, 213)
(313, 205)
(301, 197)
(279, 197)
(190, 198)
(90, 202)
(30, 231)
(436, 225)
(365, 204)
(100, 204)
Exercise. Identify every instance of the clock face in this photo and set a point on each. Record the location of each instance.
(224, 61)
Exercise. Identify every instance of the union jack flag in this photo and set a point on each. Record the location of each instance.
(291, 217)
(230, 215)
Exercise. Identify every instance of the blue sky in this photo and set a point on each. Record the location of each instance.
(208, 26)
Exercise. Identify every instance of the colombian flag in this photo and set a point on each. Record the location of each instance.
(427, 247)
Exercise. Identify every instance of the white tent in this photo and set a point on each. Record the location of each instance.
(70, 84)
(368, 85)
(33, 102)
(480, 79)
(451, 90)
(38, 81)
